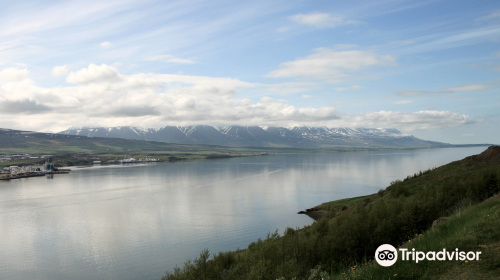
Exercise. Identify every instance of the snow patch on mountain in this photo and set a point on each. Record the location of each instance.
(296, 136)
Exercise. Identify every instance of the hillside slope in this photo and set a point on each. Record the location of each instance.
(16, 141)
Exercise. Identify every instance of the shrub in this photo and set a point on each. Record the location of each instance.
(381, 192)
(318, 274)
(399, 190)
(289, 231)
(490, 181)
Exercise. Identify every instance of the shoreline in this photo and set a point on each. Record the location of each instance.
(71, 160)
(318, 214)
(196, 153)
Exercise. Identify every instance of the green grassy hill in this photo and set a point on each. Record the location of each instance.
(475, 228)
(342, 244)
(80, 150)
(15, 141)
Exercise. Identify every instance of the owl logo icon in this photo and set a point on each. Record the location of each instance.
(386, 255)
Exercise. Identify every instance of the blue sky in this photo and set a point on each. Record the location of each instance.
(428, 68)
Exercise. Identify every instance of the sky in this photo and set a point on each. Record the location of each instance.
(429, 68)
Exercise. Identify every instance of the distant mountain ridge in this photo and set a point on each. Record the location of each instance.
(261, 136)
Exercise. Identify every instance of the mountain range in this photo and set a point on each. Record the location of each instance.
(261, 136)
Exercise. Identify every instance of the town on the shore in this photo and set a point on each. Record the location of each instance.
(34, 170)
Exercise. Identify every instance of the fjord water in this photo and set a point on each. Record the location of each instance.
(136, 221)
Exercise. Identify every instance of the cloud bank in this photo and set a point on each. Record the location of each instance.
(101, 95)
(460, 88)
(13, 74)
(58, 71)
(429, 119)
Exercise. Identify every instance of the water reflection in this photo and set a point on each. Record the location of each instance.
(136, 221)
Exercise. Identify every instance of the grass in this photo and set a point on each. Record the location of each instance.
(475, 228)
(412, 184)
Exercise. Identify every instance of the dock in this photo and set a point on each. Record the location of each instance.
(19, 176)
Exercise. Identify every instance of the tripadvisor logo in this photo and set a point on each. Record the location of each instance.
(387, 255)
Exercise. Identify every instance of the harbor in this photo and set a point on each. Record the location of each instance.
(18, 172)
(19, 176)
(37, 170)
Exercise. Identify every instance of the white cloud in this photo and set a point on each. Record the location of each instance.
(103, 96)
(170, 59)
(222, 83)
(291, 87)
(24, 106)
(353, 87)
(435, 42)
(180, 60)
(60, 71)
(94, 74)
(491, 16)
(158, 57)
(468, 87)
(429, 119)
(106, 45)
(320, 20)
(467, 135)
(344, 46)
(404, 42)
(459, 88)
(13, 74)
(412, 92)
(399, 102)
(332, 65)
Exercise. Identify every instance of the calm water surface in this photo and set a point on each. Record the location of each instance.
(136, 221)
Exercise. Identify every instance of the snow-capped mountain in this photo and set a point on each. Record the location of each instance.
(257, 136)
